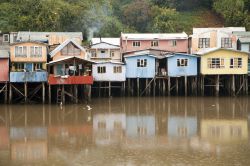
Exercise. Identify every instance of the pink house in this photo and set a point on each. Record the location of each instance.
(172, 42)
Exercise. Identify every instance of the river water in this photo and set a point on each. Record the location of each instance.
(174, 131)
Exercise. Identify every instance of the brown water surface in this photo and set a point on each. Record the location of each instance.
(128, 132)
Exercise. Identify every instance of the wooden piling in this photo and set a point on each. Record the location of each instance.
(154, 87)
(169, 86)
(43, 92)
(138, 86)
(177, 85)
(186, 90)
(109, 88)
(10, 94)
(164, 87)
(49, 94)
(6, 93)
(76, 93)
(233, 85)
(63, 94)
(146, 86)
(217, 87)
(25, 92)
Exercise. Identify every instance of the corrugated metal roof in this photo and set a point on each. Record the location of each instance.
(67, 59)
(113, 41)
(4, 53)
(152, 36)
(244, 39)
(209, 50)
(44, 36)
(222, 29)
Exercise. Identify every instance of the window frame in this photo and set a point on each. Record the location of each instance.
(184, 64)
(8, 36)
(173, 43)
(117, 69)
(237, 64)
(101, 69)
(216, 63)
(155, 43)
(136, 44)
(226, 42)
(142, 62)
(23, 52)
(204, 43)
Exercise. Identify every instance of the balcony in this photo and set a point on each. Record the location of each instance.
(70, 80)
(20, 77)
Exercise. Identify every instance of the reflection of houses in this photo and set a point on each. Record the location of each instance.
(109, 128)
(69, 67)
(28, 143)
(182, 127)
(4, 139)
(4, 72)
(224, 131)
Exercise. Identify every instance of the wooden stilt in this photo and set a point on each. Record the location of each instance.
(63, 94)
(109, 89)
(246, 84)
(99, 89)
(138, 86)
(233, 85)
(49, 94)
(25, 92)
(10, 94)
(76, 93)
(146, 86)
(177, 86)
(129, 88)
(154, 86)
(164, 87)
(89, 92)
(6, 93)
(217, 87)
(43, 93)
(202, 85)
(186, 87)
(169, 86)
(123, 88)
(132, 87)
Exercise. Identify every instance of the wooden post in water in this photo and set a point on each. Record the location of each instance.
(233, 85)
(202, 85)
(246, 84)
(217, 87)
(25, 92)
(146, 86)
(177, 86)
(109, 89)
(76, 93)
(164, 87)
(49, 94)
(43, 93)
(132, 87)
(99, 89)
(6, 93)
(169, 86)
(128, 89)
(154, 87)
(63, 94)
(138, 86)
(123, 88)
(186, 90)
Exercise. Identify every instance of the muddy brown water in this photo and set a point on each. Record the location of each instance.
(174, 131)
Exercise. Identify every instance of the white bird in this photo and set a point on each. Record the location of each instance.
(89, 108)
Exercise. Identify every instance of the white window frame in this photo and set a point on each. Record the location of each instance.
(226, 42)
(8, 36)
(117, 69)
(142, 63)
(204, 43)
(20, 53)
(237, 63)
(154, 43)
(93, 53)
(136, 44)
(33, 51)
(182, 62)
(112, 53)
(218, 63)
(173, 43)
(101, 69)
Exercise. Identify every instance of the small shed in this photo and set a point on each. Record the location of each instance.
(179, 64)
(109, 71)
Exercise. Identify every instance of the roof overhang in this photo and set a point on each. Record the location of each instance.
(70, 59)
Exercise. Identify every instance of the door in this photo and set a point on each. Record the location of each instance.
(29, 67)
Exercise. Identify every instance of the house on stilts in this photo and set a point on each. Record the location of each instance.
(70, 72)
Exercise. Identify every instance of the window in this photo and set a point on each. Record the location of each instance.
(101, 125)
(215, 131)
(20, 51)
(101, 69)
(204, 42)
(71, 50)
(215, 63)
(6, 38)
(141, 131)
(93, 54)
(37, 66)
(154, 43)
(236, 63)
(235, 131)
(18, 66)
(136, 44)
(226, 42)
(112, 53)
(182, 131)
(36, 51)
(141, 62)
(117, 69)
(182, 62)
(173, 43)
(103, 51)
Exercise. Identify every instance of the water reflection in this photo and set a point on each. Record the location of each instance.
(127, 131)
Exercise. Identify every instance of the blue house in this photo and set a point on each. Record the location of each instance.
(145, 63)
(179, 64)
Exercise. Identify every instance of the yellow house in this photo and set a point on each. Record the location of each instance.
(219, 130)
(28, 56)
(221, 61)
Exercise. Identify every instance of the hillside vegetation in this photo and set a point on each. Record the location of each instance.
(111, 17)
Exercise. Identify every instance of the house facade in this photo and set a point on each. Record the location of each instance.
(28, 62)
(4, 66)
(109, 71)
(69, 65)
(205, 38)
(179, 64)
(172, 42)
(223, 62)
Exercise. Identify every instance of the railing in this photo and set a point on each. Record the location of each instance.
(37, 76)
(70, 80)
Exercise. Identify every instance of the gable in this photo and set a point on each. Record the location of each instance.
(104, 46)
(70, 49)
